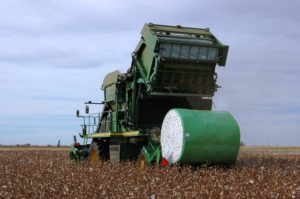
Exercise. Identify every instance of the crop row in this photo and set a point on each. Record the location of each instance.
(50, 174)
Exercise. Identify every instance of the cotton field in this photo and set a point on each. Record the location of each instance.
(48, 173)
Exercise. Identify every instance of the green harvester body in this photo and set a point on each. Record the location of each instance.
(173, 67)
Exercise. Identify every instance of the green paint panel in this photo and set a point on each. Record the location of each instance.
(110, 93)
(209, 137)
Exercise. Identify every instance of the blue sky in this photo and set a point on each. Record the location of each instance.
(54, 55)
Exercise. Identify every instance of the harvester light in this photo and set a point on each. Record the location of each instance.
(77, 145)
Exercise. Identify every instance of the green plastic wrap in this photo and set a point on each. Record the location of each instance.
(198, 136)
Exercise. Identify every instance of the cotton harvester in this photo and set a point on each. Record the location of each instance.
(161, 108)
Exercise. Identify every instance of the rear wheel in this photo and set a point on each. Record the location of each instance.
(99, 150)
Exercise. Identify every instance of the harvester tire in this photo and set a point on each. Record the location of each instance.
(141, 161)
(99, 150)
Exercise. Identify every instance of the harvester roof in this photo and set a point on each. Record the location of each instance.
(163, 29)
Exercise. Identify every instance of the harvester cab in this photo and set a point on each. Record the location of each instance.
(161, 107)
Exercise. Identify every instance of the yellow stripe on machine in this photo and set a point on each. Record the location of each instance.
(109, 134)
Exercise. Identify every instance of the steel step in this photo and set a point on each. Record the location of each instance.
(114, 152)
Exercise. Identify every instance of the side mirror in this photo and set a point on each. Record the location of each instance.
(84, 129)
(87, 109)
(77, 113)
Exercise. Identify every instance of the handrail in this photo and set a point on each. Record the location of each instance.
(91, 121)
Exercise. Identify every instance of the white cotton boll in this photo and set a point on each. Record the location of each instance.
(172, 137)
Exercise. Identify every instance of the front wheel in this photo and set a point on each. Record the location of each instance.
(99, 150)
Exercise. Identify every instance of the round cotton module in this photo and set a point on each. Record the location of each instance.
(172, 137)
(199, 136)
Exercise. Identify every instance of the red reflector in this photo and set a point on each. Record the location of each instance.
(164, 162)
